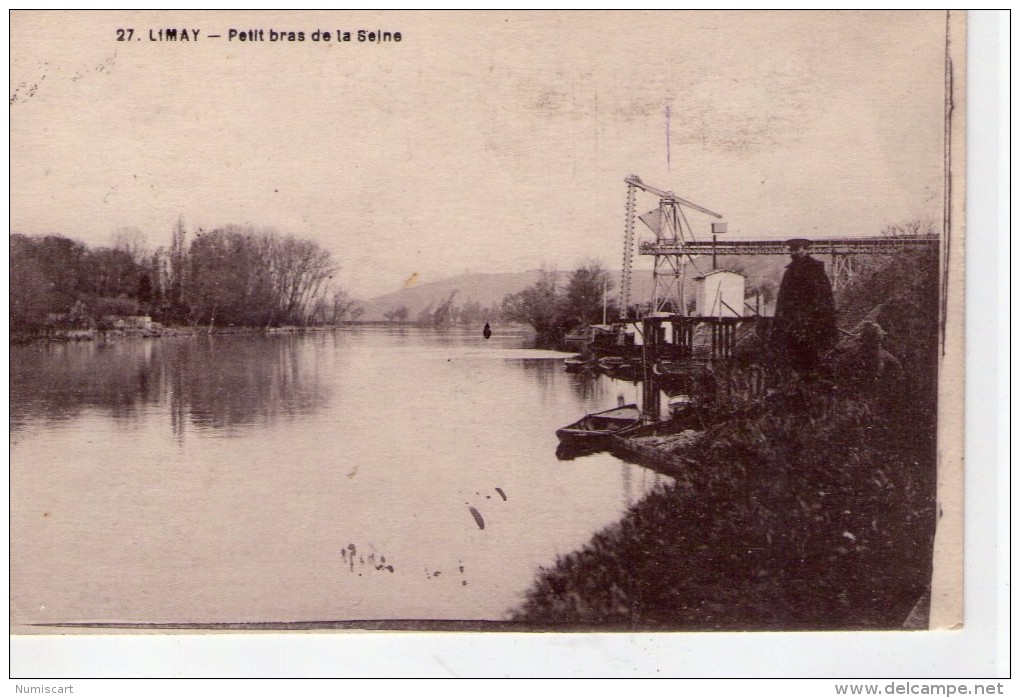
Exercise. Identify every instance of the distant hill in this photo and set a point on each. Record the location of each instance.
(489, 290)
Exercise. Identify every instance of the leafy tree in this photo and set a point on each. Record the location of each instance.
(538, 306)
(111, 273)
(65, 265)
(53, 274)
(145, 291)
(398, 314)
(214, 279)
(587, 288)
(30, 291)
(177, 263)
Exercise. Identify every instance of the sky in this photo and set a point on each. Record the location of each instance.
(482, 142)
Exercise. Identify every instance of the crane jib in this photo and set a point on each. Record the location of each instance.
(635, 181)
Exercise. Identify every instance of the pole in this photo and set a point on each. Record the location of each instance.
(605, 292)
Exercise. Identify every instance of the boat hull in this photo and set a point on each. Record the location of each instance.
(596, 429)
(577, 363)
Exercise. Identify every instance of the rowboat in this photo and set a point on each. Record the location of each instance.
(679, 404)
(576, 363)
(671, 369)
(595, 429)
(621, 369)
(614, 363)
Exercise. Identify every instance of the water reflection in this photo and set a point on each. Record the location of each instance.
(601, 388)
(628, 485)
(567, 451)
(587, 386)
(385, 438)
(211, 382)
(544, 373)
(231, 383)
(58, 381)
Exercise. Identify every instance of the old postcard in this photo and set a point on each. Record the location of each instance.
(486, 321)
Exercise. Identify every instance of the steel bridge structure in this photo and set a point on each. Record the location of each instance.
(675, 243)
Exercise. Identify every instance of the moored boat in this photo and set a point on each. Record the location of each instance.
(679, 404)
(576, 363)
(621, 369)
(615, 363)
(595, 429)
(671, 369)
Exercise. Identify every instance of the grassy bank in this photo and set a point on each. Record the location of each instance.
(811, 509)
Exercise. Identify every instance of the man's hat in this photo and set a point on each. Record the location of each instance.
(798, 244)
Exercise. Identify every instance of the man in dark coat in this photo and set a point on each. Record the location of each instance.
(804, 326)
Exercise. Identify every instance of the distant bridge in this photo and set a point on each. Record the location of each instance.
(841, 250)
(832, 246)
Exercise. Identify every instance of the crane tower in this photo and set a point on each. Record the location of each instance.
(671, 229)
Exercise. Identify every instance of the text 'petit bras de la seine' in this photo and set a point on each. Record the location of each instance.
(186, 35)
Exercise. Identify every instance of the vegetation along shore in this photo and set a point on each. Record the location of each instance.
(225, 279)
(811, 506)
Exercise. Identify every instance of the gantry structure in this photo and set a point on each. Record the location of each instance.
(675, 244)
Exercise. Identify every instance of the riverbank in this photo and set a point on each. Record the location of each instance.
(88, 335)
(815, 513)
(810, 509)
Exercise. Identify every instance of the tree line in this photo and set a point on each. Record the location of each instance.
(444, 314)
(553, 306)
(554, 309)
(233, 275)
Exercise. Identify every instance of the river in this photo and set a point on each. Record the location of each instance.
(367, 473)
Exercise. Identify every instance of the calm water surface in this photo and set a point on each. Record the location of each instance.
(254, 478)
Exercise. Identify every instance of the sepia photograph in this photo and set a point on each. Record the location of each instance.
(486, 322)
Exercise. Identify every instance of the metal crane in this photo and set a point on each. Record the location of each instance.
(670, 226)
(675, 242)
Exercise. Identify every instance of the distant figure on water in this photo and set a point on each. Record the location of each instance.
(487, 332)
(804, 326)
